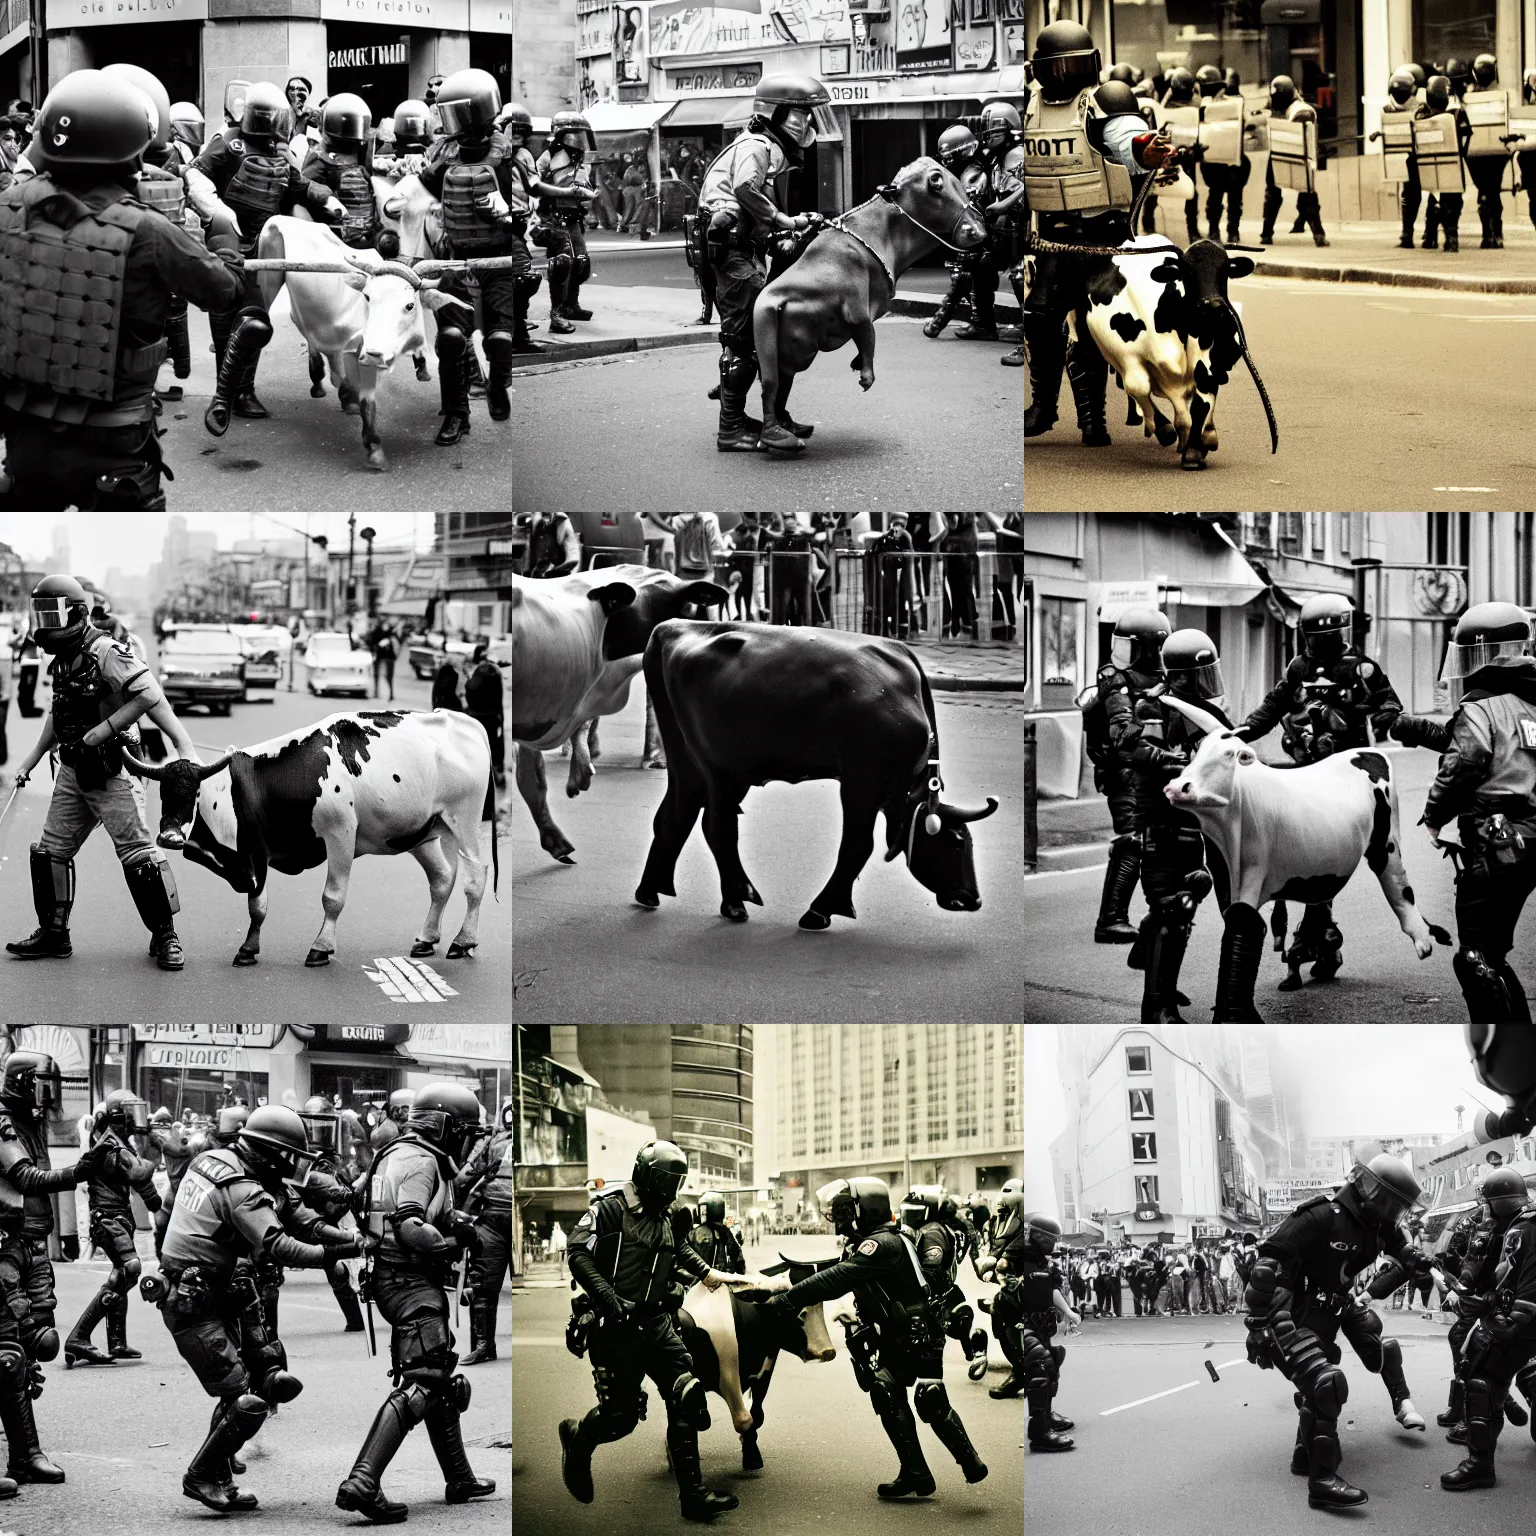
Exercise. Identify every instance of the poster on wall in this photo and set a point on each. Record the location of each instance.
(1015, 44)
(924, 38)
(629, 45)
(975, 44)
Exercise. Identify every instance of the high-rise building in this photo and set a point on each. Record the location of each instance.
(925, 1103)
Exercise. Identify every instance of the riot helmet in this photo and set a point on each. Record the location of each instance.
(159, 99)
(571, 132)
(1233, 81)
(1065, 61)
(1437, 95)
(447, 1116)
(712, 1208)
(229, 1123)
(1009, 1185)
(320, 1123)
(124, 1112)
(92, 124)
(785, 105)
(61, 608)
(1193, 666)
(659, 1171)
(1484, 633)
(31, 1084)
(1460, 73)
(1116, 99)
(926, 1199)
(1000, 121)
(1040, 1233)
(101, 609)
(467, 104)
(1420, 78)
(1326, 623)
(345, 123)
(265, 113)
(1385, 1189)
(1485, 71)
(1180, 87)
(234, 101)
(1210, 80)
(413, 126)
(399, 1107)
(1137, 642)
(272, 1144)
(1504, 1193)
(516, 121)
(1402, 87)
(1282, 92)
(1504, 1059)
(957, 147)
(855, 1207)
(1124, 73)
(187, 126)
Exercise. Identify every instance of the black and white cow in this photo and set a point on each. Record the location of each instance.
(1167, 327)
(735, 1343)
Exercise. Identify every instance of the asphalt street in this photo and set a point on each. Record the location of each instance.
(941, 426)
(1162, 1448)
(309, 453)
(583, 951)
(124, 1433)
(1070, 979)
(111, 977)
(823, 1449)
(1360, 428)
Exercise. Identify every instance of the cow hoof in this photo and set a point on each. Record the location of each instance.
(244, 957)
(376, 459)
(456, 950)
(1291, 983)
(656, 760)
(1192, 461)
(751, 1458)
(733, 910)
(648, 899)
(750, 894)
(318, 957)
(317, 392)
(422, 947)
(815, 921)
(1165, 434)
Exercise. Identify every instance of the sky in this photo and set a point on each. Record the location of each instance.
(133, 541)
(1362, 1079)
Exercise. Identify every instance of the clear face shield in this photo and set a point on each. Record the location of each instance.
(1381, 1202)
(1461, 661)
(1122, 653)
(836, 1205)
(47, 1090)
(50, 614)
(799, 126)
(1199, 683)
(136, 1116)
(1326, 645)
(321, 1130)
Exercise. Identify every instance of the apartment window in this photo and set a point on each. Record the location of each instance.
(1141, 1104)
(1290, 532)
(1345, 523)
(1319, 532)
(1146, 1189)
(1138, 1058)
(1261, 529)
(1143, 1146)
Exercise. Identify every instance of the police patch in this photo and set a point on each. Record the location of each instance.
(869, 1247)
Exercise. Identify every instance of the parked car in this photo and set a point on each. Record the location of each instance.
(265, 648)
(203, 664)
(426, 653)
(334, 667)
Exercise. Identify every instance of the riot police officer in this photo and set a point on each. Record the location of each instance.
(940, 1242)
(251, 172)
(712, 1240)
(738, 194)
(231, 1207)
(1035, 1360)
(1286, 104)
(325, 1191)
(1329, 698)
(177, 1144)
(484, 1190)
(1298, 1300)
(30, 1089)
(1224, 180)
(623, 1254)
(897, 1342)
(563, 166)
(100, 688)
(1181, 107)
(188, 131)
(469, 172)
(1157, 740)
(340, 164)
(1084, 145)
(517, 129)
(414, 1237)
(1440, 101)
(971, 274)
(118, 1174)
(397, 1115)
(1487, 782)
(1134, 667)
(1002, 157)
(1400, 106)
(1487, 157)
(78, 417)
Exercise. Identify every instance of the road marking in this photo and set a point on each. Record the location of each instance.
(1466, 490)
(539, 1339)
(1224, 1365)
(408, 981)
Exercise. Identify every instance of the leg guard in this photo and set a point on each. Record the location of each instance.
(1484, 1420)
(27, 1464)
(250, 331)
(1272, 201)
(736, 429)
(697, 1501)
(53, 894)
(689, 1402)
(1120, 878)
(1242, 948)
(399, 1414)
(498, 355)
(1045, 338)
(451, 345)
(179, 339)
(1325, 1488)
(901, 1430)
(1306, 1427)
(935, 1410)
(1160, 987)
(1088, 373)
(78, 1349)
(1483, 986)
(446, 1435)
(152, 885)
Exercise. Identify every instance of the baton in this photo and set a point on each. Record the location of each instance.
(12, 801)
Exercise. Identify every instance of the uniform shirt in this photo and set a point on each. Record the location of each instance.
(409, 1179)
(26, 1178)
(122, 676)
(1354, 686)
(1491, 760)
(619, 1252)
(740, 179)
(117, 1175)
(882, 1270)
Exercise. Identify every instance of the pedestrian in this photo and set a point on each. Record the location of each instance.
(483, 700)
(384, 643)
(326, 1194)
(1078, 1282)
(633, 185)
(1200, 1278)
(697, 541)
(958, 546)
(100, 688)
(1227, 1275)
(554, 546)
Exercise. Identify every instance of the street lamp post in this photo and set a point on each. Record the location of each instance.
(351, 546)
(369, 535)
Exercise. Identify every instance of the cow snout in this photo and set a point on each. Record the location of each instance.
(172, 837)
(825, 1354)
(960, 903)
(370, 358)
(1180, 789)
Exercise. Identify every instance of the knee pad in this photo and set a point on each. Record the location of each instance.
(931, 1401)
(247, 1413)
(883, 1390)
(526, 284)
(278, 1386)
(130, 1273)
(1483, 986)
(689, 1401)
(961, 1319)
(45, 1346)
(498, 347)
(459, 1393)
(1330, 1392)
(583, 268)
(111, 1299)
(1058, 1354)
(13, 1363)
(739, 341)
(559, 268)
(253, 327)
(450, 343)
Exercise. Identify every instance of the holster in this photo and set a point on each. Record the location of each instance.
(93, 766)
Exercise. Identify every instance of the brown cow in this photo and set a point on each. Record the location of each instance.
(847, 278)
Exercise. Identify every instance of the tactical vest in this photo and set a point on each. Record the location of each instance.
(558, 168)
(61, 301)
(200, 1231)
(636, 1252)
(1063, 172)
(259, 180)
(385, 1178)
(465, 223)
(1038, 1289)
(717, 193)
(79, 690)
(164, 191)
(354, 187)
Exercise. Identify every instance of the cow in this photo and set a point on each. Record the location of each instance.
(735, 1341)
(740, 704)
(1168, 329)
(356, 325)
(1278, 834)
(577, 641)
(373, 781)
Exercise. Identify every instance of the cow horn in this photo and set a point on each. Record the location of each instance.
(142, 769)
(962, 815)
(214, 767)
(1195, 715)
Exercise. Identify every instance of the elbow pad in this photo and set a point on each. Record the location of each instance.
(1386, 1281)
(422, 1237)
(1260, 1295)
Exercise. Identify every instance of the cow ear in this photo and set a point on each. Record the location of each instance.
(435, 299)
(1168, 271)
(1239, 266)
(707, 593)
(617, 594)
(358, 280)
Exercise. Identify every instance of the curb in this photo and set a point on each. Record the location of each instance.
(941, 684)
(1393, 279)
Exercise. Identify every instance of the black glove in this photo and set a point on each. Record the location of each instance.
(1168, 757)
(466, 1235)
(1472, 1306)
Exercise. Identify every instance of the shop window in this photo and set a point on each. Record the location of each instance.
(1449, 29)
(1138, 1058)
(203, 1091)
(354, 1087)
(1143, 1146)
(1060, 627)
(1146, 1189)
(1141, 1104)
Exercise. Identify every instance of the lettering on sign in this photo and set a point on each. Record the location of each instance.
(231, 1034)
(730, 77)
(96, 13)
(364, 58)
(849, 92)
(189, 1056)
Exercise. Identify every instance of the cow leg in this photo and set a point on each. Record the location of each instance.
(316, 374)
(594, 751)
(440, 872)
(339, 853)
(348, 390)
(863, 329)
(652, 756)
(1201, 404)
(532, 787)
(461, 845)
(256, 910)
(673, 822)
(580, 776)
(1384, 855)
(858, 842)
(368, 406)
(720, 828)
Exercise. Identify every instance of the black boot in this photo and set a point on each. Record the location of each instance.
(1120, 877)
(1405, 241)
(346, 1299)
(1088, 374)
(209, 1477)
(482, 1334)
(498, 357)
(153, 888)
(27, 1463)
(117, 1334)
(398, 1415)
(1301, 1456)
(53, 894)
(78, 1349)
(572, 309)
(736, 433)
(1431, 241)
(1325, 1488)
(901, 1430)
(1242, 948)
(521, 296)
(1272, 200)
(1455, 1409)
(1483, 1425)
(1165, 956)
(250, 332)
(1041, 1436)
(452, 385)
(576, 1446)
(1045, 337)
(558, 277)
(959, 289)
(952, 1436)
(983, 326)
(446, 1433)
(697, 1501)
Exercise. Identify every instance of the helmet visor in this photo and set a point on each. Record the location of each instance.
(321, 1130)
(1199, 682)
(1463, 660)
(51, 613)
(47, 1090)
(1325, 644)
(136, 1116)
(1060, 77)
(799, 126)
(467, 114)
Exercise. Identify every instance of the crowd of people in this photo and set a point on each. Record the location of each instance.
(1164, 1279)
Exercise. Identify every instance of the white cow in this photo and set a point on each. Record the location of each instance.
(1289, 834)
(356, 325)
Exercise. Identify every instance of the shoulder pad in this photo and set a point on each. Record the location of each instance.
(219, 1166)
(869, 1248)
(1316, 1200)
(235, 143)
(1367, 668)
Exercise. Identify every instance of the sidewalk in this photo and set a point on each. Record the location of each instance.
(961, 667)
(639, 319)
(1367, 252)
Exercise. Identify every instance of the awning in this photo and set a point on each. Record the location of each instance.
(627, 116)
(406, 608)
(574, 1072)
(1220, 578)
(709, 111)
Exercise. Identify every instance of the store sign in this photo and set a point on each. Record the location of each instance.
(492, 16)
(367, 58)
(217, 1057)
(235, 1036)
(117, 13)
(714, 78)
(446, 15)
(464, 1042)
(353, 1034)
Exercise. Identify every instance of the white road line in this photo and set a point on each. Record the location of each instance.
(385, 982)
(436, 980)
(1466, 490)
(1140, 1400)
(539, 1339)
(407, 981)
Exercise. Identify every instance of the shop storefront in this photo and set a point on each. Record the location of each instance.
(162, 36)
(371, 61)
(202, 1067)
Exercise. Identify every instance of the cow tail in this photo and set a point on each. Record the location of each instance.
(488, 813)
